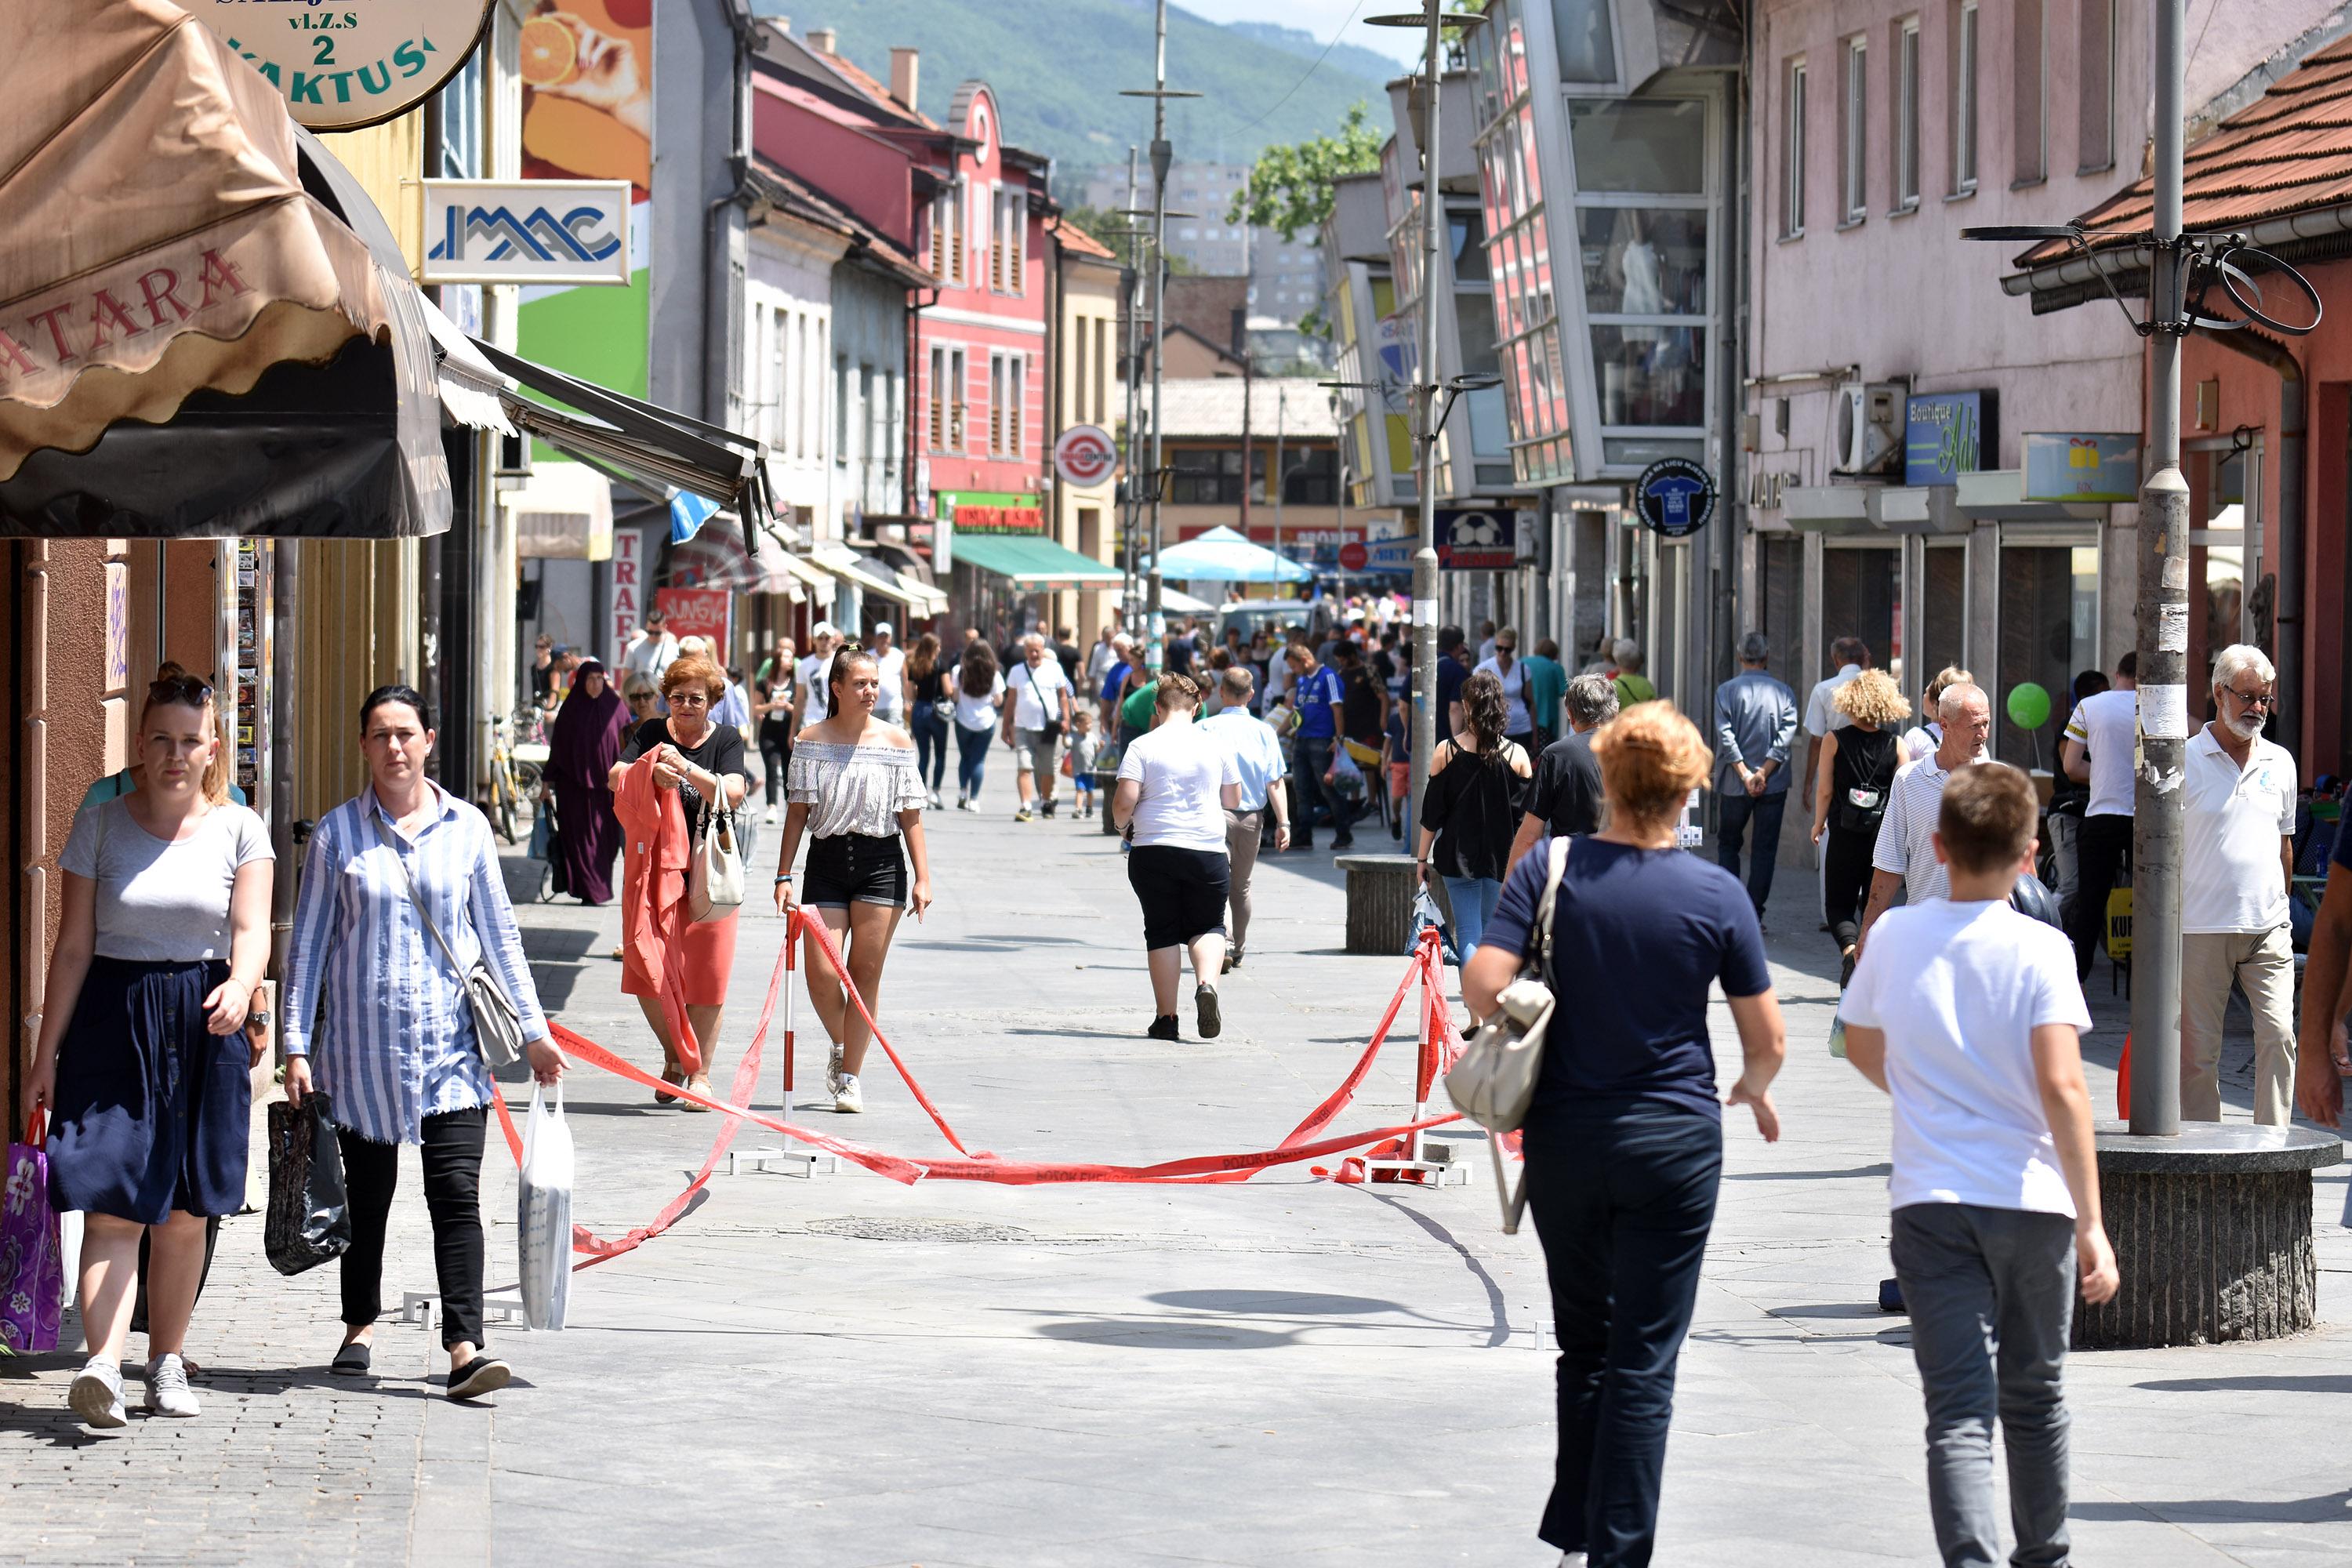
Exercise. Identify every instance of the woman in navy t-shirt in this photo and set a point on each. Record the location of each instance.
(1625, 1140)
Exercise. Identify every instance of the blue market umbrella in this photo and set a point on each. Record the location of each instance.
(1222, 555)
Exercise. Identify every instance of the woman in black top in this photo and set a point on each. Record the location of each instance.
(1857, 769)
(930, 708)
(774, 708)
(1477, 786)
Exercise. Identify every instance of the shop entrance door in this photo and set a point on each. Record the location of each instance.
(2048, 631)
(2230, 591)
(1862, 596)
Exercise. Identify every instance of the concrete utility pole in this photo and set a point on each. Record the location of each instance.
(1425, 559)
(1162, 156)
(2163, 642)
(1131, 558)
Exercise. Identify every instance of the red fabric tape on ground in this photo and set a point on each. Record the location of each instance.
(799, 919)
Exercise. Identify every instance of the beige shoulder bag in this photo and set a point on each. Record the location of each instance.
(1495, 1081)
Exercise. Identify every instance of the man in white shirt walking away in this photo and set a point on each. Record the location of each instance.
(1257, 756)
(811, 671)
(1966, 1013)
(651, 652)
(1035, 722)
(2238, 797)
(1175, 785)
(1905, 857)
(2101, 748)
(1852, 657)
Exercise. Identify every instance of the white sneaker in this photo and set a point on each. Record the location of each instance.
(846, 1098)
(168, 1393)
(832, 1072)
(96, 1394)
(935, 801)
(770, 818)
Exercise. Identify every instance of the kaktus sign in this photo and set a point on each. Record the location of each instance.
(346, 66)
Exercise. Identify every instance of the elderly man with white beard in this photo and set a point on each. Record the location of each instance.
(2238, 797)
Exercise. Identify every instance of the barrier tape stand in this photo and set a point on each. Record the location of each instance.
(1393, 1154)
(784, 1154)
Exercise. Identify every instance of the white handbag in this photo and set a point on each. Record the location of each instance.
(714, 880)
(1495, 1081)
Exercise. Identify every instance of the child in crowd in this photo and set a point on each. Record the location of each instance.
(1968, 1014)
(1085, 746)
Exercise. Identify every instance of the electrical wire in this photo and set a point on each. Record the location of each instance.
(1294, 86)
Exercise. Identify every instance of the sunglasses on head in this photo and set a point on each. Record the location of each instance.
(190, 689)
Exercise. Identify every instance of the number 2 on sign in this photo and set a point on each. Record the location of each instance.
(326, 50)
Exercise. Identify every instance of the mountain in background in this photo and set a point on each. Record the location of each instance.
(1058, 66)
(1348, 59)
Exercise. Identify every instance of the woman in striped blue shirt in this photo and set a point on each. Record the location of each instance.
(376, 1018)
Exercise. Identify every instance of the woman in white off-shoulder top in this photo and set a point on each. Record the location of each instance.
(853, 788)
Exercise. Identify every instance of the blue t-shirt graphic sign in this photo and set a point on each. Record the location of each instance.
(1674, 496)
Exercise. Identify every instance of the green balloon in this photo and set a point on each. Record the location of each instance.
(2029, 705)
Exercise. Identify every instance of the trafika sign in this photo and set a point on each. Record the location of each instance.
(1085, 455)
(353, 64)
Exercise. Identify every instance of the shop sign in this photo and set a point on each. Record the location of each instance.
(344, 67)
(1389, 554)
(1947, 434)
(1085, 455)
(999, 519)
(698, 612)
(527, 231)
(1479, 538)
(117, 626)
(2080, 467)
(1674, 497)
(628, 587)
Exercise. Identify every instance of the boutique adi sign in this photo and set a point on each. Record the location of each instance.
(356, 63)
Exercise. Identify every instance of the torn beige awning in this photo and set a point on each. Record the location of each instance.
(155, 238)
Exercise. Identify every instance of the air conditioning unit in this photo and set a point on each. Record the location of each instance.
(1866, 427)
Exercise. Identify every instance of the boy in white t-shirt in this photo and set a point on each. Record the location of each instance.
(1969, 1014)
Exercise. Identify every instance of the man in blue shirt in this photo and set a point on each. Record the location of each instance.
(1257, 757)
(1451, 673)
(1317, 693)
(1754, 726)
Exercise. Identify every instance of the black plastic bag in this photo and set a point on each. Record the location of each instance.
(308, 1221)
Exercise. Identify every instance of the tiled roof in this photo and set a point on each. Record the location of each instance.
(2290, 150)
(1073, 238)
(806, 202)
(1212, 406)
(872, 87)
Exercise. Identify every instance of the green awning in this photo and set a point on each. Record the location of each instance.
(1033, 566)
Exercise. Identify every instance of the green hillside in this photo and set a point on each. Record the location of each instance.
(1058, 66)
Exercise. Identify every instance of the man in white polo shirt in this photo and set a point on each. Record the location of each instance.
(2101, 748)
(1905, 857)
(2238, 796)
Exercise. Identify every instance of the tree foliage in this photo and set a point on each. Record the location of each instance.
(1289, 188)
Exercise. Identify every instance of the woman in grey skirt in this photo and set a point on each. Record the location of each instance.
(144, 1059)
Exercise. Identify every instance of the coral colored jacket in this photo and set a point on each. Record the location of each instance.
(653, 893)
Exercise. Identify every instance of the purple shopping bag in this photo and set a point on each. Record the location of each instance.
(32, 1264)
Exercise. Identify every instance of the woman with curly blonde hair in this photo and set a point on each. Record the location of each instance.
(1856, 770)
(1625, 1139)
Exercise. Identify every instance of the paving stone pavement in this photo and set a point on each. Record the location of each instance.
(841, 1371)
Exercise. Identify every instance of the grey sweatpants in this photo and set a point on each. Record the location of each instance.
(1992, 1298)
(1243, 830)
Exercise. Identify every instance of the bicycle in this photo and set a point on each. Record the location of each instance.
(506, 781)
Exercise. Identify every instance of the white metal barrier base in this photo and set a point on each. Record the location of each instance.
(809, 1161)
(1435, 1173)
(424, 1308)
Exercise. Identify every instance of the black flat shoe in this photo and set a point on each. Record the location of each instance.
(1163, 1027)
(1206, 1015)
(483, 1374)
(353, 1360)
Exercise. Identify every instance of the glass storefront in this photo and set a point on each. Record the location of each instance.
(2049, 627)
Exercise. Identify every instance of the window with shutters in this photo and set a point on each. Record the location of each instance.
(1906, 139)
(959, 399)
(844, 415)
(1792, 150)
(995, 403)
(2029, 89)
(1964, 98)
(1008, 258)
(946, 234)
(1016, 402)
(936, 437)
(2095, 96)
(1853, 109)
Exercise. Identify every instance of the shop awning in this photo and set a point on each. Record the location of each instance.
(200, 341)
(716, 557)
(1033, 566)
(921, 598)
(563, 512)
(470, 386)
(659, 448)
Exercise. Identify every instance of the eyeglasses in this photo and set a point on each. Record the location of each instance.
(691, 699)
(2252, 699)
(193, 690)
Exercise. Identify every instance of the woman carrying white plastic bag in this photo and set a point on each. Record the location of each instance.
(543, 1212)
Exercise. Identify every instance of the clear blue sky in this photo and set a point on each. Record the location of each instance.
(1321, 17)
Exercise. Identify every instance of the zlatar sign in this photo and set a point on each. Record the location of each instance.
(344, 66)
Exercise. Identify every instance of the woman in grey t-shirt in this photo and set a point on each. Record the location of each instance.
(144, 1059)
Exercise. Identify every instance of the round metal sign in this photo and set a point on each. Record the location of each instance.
(344, 66)
(1085, 455)
(1353, 556)
(1674, 496)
